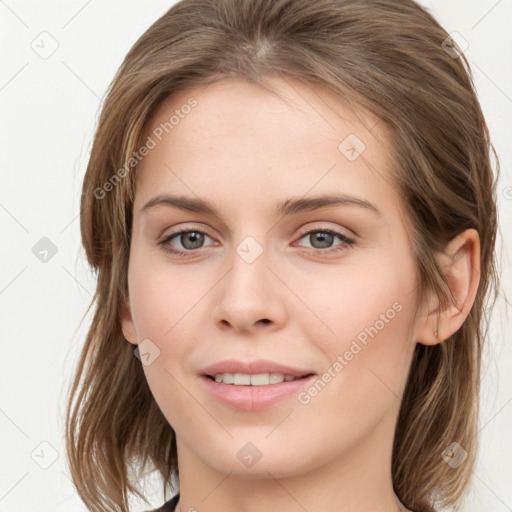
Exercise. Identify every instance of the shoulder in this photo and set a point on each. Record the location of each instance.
(168, 506)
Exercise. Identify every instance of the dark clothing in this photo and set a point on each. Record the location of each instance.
(168, 506)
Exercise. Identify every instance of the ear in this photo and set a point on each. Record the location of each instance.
(460, 263)
(127, 325)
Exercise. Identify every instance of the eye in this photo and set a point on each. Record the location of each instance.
(322, 239)
(190, 240)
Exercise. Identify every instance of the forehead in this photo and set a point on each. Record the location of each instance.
(299, 109)
(273, 143)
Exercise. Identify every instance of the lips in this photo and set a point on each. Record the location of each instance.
(253, 397)
(255, 367)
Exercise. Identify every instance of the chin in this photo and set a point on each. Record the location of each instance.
(254, 460)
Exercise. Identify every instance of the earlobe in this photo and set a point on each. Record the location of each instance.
(460, 264)
(127, 324)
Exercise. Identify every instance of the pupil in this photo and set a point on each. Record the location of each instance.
(194, 237)
(325, 239)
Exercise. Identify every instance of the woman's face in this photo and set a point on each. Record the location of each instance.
(295, 253)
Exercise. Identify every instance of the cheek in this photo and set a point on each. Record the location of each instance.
(163, 302)
(368, 346)
(160, 316)
(162, 295)
(365, 375)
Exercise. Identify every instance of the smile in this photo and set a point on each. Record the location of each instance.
(260, 379)
(254, 397)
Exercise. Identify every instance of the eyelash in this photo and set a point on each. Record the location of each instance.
(346, 241)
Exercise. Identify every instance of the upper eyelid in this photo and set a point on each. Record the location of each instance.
(339, 230)
(179, 231)
(301, 231)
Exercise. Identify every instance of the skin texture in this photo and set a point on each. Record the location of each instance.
(244, 150)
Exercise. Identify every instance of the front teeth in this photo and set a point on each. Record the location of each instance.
(261, 379)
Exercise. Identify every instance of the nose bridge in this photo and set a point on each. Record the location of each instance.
(248, 293)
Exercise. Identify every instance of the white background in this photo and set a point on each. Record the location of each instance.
(48, 112)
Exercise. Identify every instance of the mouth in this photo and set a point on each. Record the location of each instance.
(253, 385)
(258, 379)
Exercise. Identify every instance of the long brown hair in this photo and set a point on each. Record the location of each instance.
(388, 56)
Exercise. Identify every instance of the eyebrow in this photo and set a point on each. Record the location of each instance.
(285, 208)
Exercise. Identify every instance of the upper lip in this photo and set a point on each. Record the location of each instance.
(253, 368)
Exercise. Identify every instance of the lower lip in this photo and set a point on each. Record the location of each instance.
(254, 398)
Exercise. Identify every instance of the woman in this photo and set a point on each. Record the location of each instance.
(291, 209)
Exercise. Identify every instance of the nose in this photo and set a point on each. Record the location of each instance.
(250, 297)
